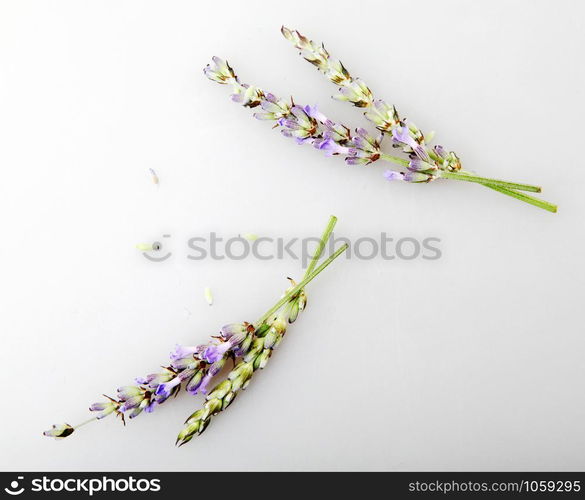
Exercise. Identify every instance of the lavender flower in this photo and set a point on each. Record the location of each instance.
(105, 408)
(365, 149)
(182, 352)
(220, 71)
(215, 352)
(195, 367)
(273, 108)
(403, 136)
(331, 147)
(355, 92)
(382, 115)
(135, 399)
(166, 389)
(392, 175)
(299, 125)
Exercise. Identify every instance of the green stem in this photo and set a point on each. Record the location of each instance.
(462, 176)
(285, 298)
(319, 250)
(486, 181)
(85, 422)
(524, 197)
(394, 159)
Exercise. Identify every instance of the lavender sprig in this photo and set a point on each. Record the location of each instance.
(428, 163)
(308, 125)
(267, 338)
(194, 367)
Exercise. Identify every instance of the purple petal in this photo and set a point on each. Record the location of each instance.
(418, 165)
(264, 116)
(313, 112)
(416, 177)
(362, 132)
(354, 160)
(391, 175)
(290, 124)
(99, 406)
(149, 408)
(402, 135)
(440, 151)
(182, 351)
(332, 148)
(205, 382)
(214, 353)
(166, 388)
(129, 391)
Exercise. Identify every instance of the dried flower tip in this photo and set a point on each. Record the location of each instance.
(198, 421)
(153, 175)
(312, 52)
(59, 431)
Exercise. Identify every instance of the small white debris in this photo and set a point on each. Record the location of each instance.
(208, 295)
(250, 236)
(154, 176)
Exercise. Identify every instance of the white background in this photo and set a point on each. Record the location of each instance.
(470, 362)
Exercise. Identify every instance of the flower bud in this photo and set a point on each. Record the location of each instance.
(220, 390)
(270, 338)
(187, 433)
(195, 382)
(228, 400)
(104, 408)
(418, 165)
(417, 177)
(257, 346)
(262, 359)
